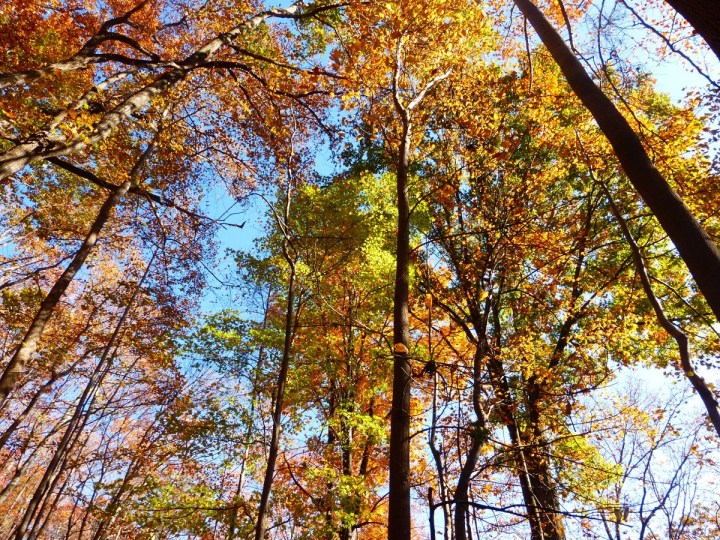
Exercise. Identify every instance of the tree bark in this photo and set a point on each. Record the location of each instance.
(471, 458)
(704, 17)
(692, 242)
(399, 522)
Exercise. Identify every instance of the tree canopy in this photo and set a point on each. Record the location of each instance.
(349, 270)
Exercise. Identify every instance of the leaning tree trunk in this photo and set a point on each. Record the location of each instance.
(81, 414)
(31, 341)
(701, 387)
(695, 246)
(704, 17)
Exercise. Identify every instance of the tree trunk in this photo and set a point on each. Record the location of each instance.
(695, 246)
(80, 417)
(399, 521)
(31, 341)
(701, 387)
(704, 17)
(471, 458)
(31, 404)
(528, 472)
(261, 525)
(233, 525)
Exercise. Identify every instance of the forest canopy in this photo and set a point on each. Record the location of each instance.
(357, 270)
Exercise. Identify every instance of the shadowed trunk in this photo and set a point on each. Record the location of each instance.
(399, 521)
(704, 17)
(694, 245)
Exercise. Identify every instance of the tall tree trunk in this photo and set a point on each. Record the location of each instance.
(695, 246)
(439, 467)
(703, 16)
(478, 438)
(232, 527)
(80, 417)
(31, 341)
(261, 525)
(399, 521)
(346, 530)
(542, 482)
(530, 470)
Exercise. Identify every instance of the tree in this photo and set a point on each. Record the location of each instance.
(703, 16)
(694, 244)
(450, 253)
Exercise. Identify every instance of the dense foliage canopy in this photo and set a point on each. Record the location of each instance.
(359, 270)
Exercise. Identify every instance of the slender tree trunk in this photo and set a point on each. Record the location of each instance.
(526, 470)
(346, 530)
(439, 467)
(399, 522)
(31, 341)
(261, 525)
(704, 17)
(432, 439)
(478, 437)
(704, 391)
(544, 489)
(81, 414)
(232, 527)
(541, 522)
(695, 246)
